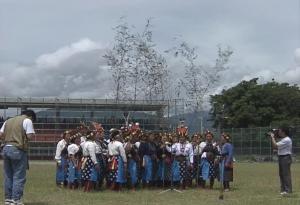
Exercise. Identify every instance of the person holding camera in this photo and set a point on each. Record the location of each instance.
(284, 150)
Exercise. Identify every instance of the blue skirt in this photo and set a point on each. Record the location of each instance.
(116, 170)
(61, 172)
(207, 169)
(74, 174)
(179, 170)
(120, 174)
(148, 169)
(160, 174)
(132, 170)
(89, 173)
(103, 168)
(221, 171)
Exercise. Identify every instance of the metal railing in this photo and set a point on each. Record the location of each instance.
(37, 100)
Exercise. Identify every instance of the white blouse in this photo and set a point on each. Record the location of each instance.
(59, 148)
(116, 148)
(73, 149)
(89, 149)
(185, 149)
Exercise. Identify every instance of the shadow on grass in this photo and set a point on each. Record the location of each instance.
(291, 196)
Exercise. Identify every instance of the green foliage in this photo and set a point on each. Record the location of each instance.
(250, 104)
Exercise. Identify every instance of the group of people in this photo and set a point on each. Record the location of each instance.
(130, 157)
(133, 158)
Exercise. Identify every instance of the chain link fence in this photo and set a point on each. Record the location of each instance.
(254, 143)
(159, 116)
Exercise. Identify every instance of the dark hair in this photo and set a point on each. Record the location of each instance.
(209, 133)
(285, 129)
(226, 136)
(89, 135)
(114, 133)
(72, 140)
(30, 113)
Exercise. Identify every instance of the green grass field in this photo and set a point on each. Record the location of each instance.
(255, 183)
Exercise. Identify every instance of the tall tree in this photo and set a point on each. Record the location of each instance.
(250, 104)
(139, 71)
(119, 60)
(153, 66)
(199, 79)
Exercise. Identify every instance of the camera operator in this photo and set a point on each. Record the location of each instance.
(284, 147)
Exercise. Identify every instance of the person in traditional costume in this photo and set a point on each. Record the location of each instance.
(147, 153)
(61, 157)
(182, 129)
(74, 162)
(163, 174)
(184, 159)
(99, 141)
(117, 161)
(133, 159)
(174, 138)
(90, 166)
(226, 163)
(208, 160)
(196, 140)
(102, 157)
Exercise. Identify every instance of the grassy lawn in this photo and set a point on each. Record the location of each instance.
(255, 183)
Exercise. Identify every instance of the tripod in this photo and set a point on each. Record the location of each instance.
(172, 182)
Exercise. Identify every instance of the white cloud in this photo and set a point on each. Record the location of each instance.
(239, 72)
(62, 54)
(77, 70)
(80, 71)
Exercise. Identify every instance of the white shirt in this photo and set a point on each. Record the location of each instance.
(284, 146)
(89, 149)
(98, 147)
(73, 149)
(82, 139)
(59, 148)
(185, 149)
(27, 126)
(197, 150)
(137, 144)
(116, 148)
(201, 147)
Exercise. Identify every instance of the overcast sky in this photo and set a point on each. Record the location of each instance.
(55, 47)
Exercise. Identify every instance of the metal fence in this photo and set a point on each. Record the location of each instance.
(254, 142)
(56, 115)
(248, 142)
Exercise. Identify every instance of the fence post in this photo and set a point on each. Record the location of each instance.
(260, 141)
(241, 141)
(251, 142)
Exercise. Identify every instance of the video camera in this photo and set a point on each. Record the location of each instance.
(274, 131)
